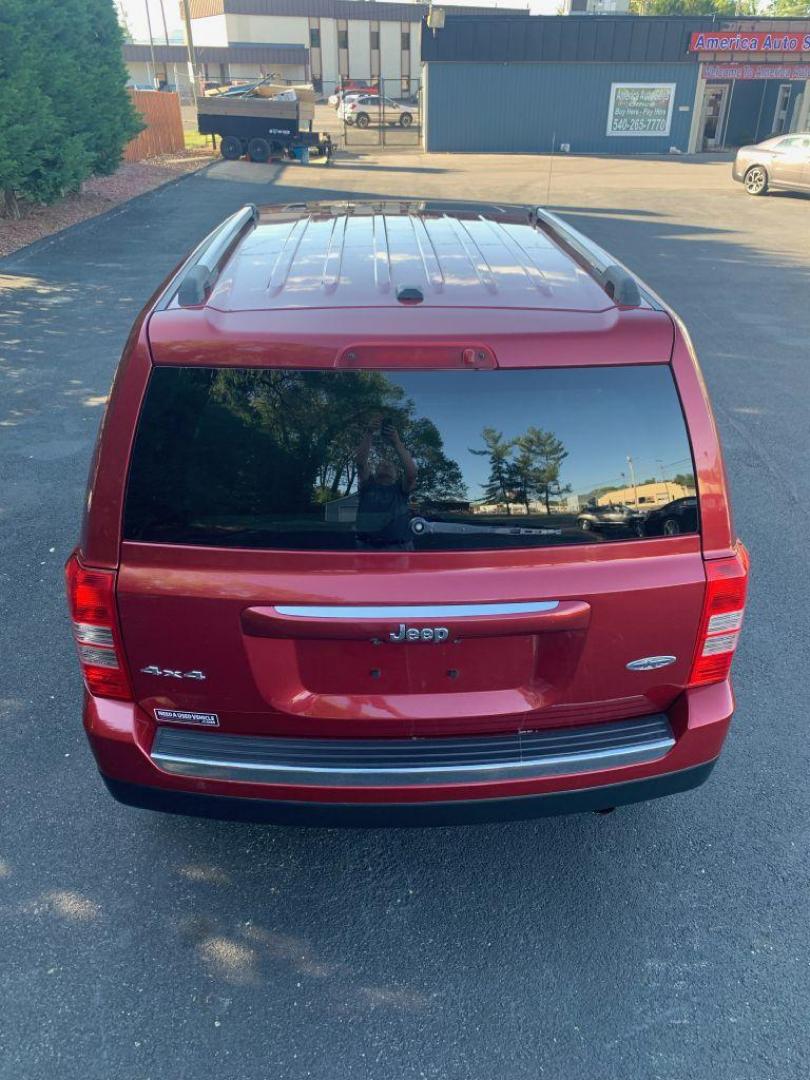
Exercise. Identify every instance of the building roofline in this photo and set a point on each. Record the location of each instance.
(218, 54)
(335, 9)
(580, 37)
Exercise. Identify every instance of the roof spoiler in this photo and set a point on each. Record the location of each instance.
(193, 282)
(617, 281)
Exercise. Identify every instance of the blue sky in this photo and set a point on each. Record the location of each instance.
(600, 414)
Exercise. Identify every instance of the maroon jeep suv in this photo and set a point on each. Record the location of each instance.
(333, 566)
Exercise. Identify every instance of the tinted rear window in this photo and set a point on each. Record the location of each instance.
(416, 460)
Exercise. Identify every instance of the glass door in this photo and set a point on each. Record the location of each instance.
(715, 101)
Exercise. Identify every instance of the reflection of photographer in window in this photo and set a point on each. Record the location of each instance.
(383, 517)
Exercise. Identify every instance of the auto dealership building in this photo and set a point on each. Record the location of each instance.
(613, 84)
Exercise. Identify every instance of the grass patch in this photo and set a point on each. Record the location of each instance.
(195, 141)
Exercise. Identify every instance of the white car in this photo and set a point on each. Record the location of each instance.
(366, 109)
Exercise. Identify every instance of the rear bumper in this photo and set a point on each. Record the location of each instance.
(456, 812)
(127, 750)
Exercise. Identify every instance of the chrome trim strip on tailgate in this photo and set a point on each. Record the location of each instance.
(412, 611)
(385, 762)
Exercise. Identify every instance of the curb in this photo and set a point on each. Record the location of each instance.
(36, 246)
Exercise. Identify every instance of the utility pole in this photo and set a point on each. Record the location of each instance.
(151, 45)
(165, 27)
(633, 479)
(190, 48)
(664, 479)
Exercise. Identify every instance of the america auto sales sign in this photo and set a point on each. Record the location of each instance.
(783, 41)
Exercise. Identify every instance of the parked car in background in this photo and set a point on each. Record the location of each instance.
(265, 629)
(353, 86)
(676, 517)
(781, 162)
(612, 516)
(371, 109)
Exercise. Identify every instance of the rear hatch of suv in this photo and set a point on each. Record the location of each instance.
(382, 552)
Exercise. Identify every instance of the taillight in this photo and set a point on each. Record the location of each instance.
(723, 607)
(352, 106)
(91, 597)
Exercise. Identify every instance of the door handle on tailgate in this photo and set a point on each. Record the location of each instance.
(359, 621)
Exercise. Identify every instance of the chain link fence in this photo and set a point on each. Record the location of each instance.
(372, 112)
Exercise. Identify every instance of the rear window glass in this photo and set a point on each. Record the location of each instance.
(415, 460)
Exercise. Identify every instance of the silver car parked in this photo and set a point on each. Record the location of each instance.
(372, 109)
(780, 162)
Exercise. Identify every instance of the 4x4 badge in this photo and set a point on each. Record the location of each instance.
(171, 673)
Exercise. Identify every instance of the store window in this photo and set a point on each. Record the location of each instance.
(315, 38)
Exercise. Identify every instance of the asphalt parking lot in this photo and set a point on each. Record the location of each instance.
(667, 941)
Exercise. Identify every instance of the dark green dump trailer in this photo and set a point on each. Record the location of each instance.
(262, 127)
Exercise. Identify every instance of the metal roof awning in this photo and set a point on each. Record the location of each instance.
(218, 54)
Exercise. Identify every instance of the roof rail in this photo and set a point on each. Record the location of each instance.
(196, 277)
(617, 281)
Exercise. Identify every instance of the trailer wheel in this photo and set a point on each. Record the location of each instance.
(230, 147)
(259, 150)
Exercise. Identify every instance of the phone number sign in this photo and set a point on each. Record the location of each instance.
(640, 108)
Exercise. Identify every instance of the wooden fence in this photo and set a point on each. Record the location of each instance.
(163, 133)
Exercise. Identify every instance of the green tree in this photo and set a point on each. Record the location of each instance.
(438, 477)
(686, 480)
(64, 111)
(726, 8)
(501, 482)
(310, 425)
(540, 456)
(794, 9)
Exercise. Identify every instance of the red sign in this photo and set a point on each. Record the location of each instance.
(756, 71)
(783, 41)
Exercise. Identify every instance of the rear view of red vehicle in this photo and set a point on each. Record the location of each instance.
(352, 550)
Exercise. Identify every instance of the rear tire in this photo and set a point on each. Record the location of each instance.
(405, 120)
(671, 527)
(259, 150)
(756, 180)
(362, 120)
(231, 148)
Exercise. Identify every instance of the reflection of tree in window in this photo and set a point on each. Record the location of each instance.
(524, 469)
(686, 480)
(266, 457)
(438, 477)
(498, 488)
(274, 442)
(540, 455)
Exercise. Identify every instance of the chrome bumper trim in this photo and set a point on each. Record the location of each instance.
(403, 762)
